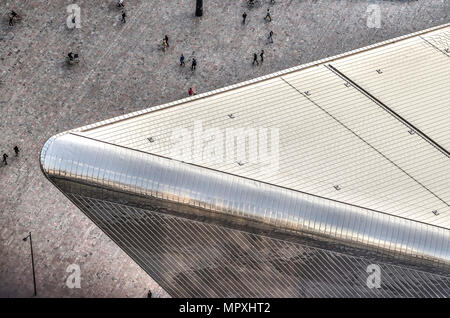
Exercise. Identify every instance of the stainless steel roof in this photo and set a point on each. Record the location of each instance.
(334, 135)
(414, 81)
(74, 162)
(362, 160)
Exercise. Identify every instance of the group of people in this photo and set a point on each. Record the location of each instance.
(267, 18)
(193, 67)
(183, 63)
(5, 156)
(74, 58)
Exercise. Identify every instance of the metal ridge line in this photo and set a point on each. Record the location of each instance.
(368, 144)
(390, 110)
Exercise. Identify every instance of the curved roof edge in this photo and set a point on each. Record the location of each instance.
(82, 160)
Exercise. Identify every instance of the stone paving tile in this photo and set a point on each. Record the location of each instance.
(122, 70)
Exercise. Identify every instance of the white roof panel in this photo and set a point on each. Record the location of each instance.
(414, 80)
(335, 141)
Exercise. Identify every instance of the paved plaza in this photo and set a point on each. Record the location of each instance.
(122, 69)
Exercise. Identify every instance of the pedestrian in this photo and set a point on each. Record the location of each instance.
(182, 60)
(270, 38)
(167, 40)
(149, 294)
(12, 16)
(194, 64)
(16, 150)
(255, 59)
(73, 57)
(244, 16)
(124, 15)
(262, 56)
(120, 4)
(4, 159)
(268, 16)
(191, 91)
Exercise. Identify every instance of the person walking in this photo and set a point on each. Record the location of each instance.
(268, 17)
(124, 15)
(16, 150)
(194, 64)
(5, 156)
(244, 17)
(182, 60)
(166, 38)
(262, 56)
(149, 294)
(73, 58)
(12, 16)
(270, 38)
(120, 4)
(255, 59)
(191, 91)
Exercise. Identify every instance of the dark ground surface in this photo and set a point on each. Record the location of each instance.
(122, 69)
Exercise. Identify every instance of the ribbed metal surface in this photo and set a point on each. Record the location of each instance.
(195, 259)
(81, 160)
(413, 80)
